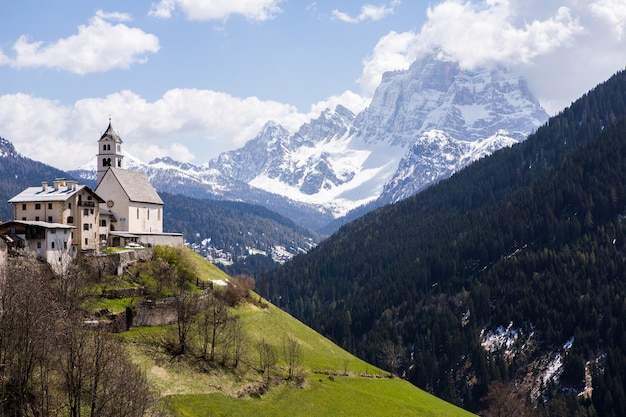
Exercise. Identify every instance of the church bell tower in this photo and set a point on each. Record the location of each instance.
(109, 151)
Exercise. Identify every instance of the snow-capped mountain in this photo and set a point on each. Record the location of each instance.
(423, 124)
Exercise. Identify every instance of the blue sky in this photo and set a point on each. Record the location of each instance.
(192, 78)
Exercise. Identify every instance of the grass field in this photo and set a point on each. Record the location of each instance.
(342, 396)
(333, 382)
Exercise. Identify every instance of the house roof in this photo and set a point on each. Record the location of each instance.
(111, 134)
(51, 193)
(45, 225)
(136, 185)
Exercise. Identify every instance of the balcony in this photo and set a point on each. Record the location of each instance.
(86, 203)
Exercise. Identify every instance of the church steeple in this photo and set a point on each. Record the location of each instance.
(109, 151)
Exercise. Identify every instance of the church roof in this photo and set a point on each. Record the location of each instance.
(110, 134)
(137, 186)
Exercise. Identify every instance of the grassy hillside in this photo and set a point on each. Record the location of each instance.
(333, 382)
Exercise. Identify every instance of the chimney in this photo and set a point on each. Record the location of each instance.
(71, 185)
(57, 184)
(44, 185)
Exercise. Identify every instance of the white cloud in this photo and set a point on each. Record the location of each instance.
(614, 11)
(394, 51)
(484, 33)
(182, 120)
(256, 10)
(100, 46)
(563, 48)
(352, 101)
(368, 12)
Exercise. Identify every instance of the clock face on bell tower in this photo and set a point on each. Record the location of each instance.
(110, 203)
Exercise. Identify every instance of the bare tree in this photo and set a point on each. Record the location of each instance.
(116, 386)
(293, 355)
(73, 354)
(99, 377)
(186, 307)
(503, 402)
(267, 358)
(391, 355)
(211, 326)
(25, 320)
(239, 340)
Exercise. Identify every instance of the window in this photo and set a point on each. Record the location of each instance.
(119, 163)
(38, 245)
(70, 219)
(52, 245)
(37, 206)
(49, 219)
(64, 245)
(69, 206)
(36, 218)
(24, 218)
(53, 231)
(106, 162)
(49, 206)
(103, 223)
(89, 198)
(86, 241)
(86, 212)
(86, 226)
(23, 206)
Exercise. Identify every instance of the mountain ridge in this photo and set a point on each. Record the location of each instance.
(339, 161)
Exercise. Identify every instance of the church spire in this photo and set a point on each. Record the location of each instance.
(109, 151)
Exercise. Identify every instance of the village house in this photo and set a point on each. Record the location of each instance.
(66, 203)
(56, 221)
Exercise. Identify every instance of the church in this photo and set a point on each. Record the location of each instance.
(131, 211)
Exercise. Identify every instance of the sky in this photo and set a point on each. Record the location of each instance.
(190, 79)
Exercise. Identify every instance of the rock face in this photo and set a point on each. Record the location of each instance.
(422, 125)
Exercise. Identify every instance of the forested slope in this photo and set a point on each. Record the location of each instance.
(236, 228)
(530, 235)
